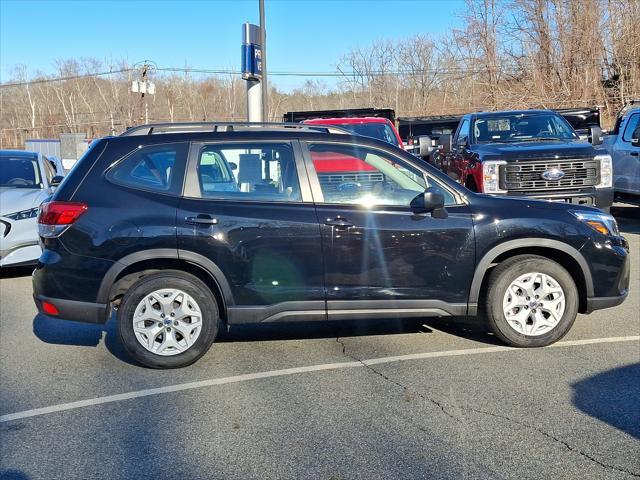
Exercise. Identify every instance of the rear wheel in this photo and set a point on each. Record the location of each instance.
(168, 320)
(531, 301)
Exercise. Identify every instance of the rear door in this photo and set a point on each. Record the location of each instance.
(247, 208)
(626, 158)
(380, 255)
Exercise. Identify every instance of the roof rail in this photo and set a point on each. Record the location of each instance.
(190, 127)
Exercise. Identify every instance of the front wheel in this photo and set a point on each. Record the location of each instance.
(531, 301)
(168, 320)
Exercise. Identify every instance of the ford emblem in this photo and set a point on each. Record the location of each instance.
(553, 174)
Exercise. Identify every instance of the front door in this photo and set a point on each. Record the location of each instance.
(379, 255)
(248, 209)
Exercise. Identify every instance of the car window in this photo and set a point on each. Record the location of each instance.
(249, 171)
(19, 172)
(632, 124)
(351, 174)
(157, 167)
(49, 170)
(463, 134)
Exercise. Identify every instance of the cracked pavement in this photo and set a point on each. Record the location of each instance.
(563, 413)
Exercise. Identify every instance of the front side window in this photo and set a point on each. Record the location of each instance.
(249, 171)
(19, 172)
(632, 125)
(157, 168)
(351, 174)
(463, 134)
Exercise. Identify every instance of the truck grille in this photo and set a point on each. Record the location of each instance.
(330, 181)
(527, 176)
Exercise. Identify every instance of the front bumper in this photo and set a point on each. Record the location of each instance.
(73, 310)
(610, 264)
(601, 198)
(600, 303)
(19, 242)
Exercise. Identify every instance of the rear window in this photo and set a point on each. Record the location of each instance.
(157, 168)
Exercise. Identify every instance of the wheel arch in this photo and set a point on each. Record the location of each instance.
(566, 255)
(122, 273)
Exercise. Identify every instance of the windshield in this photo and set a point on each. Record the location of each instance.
(380, 131)
(522, 127)
(19, 172)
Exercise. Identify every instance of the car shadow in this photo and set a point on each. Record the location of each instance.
(15, 272)
(628, 217)
(66, 332)
(13, 475)
(460, 327)
(612, 397)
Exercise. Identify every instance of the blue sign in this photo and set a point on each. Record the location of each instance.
(251, 62)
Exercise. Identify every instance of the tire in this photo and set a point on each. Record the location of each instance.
(531, 321)
(167, 305)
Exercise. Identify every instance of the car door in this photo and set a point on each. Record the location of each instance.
(247, 208)
(459, 158)
(626, 158)
(381, 258)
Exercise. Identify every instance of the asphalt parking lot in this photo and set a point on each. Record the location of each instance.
(379, 399)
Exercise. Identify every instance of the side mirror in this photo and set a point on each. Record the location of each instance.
(432, 201)
(445, 142)
(426, 146)
(635, 137)
(57, 180)
(233, 166)
(595, 135)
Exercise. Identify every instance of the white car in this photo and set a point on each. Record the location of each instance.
(26, 179)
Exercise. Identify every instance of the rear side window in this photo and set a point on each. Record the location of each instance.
(157, 168)
(249, 171)
(632, 124)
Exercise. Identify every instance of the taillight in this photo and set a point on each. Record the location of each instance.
(56, 217)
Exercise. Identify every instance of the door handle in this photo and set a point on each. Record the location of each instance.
(635, 154)
(202, 220)
(339, 223)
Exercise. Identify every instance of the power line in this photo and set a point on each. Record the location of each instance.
(516, 68)
(62, 79)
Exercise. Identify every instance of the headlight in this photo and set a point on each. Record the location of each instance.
(606, 171)
(491, 176)
(600, 222)
(24, 214)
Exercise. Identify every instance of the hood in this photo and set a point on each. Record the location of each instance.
(512, 152)
(17, 199)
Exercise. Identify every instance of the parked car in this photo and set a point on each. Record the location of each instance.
(142, 226)
(371, 122)
(335, 170)
(26, 179)
(623, 144)
(528, 153)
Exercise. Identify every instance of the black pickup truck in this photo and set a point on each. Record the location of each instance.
(532, 153)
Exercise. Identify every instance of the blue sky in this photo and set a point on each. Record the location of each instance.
(303, 35)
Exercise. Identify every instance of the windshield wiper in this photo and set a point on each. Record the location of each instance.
(536, 139)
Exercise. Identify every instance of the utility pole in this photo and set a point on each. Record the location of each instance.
(265, 85)
(144, 87)
(252, 70)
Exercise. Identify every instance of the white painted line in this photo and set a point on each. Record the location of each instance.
(291, 371)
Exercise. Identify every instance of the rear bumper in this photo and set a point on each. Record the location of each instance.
(73, 310)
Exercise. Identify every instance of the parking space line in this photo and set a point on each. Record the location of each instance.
(292, 371)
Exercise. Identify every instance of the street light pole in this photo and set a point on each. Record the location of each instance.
(265, 88)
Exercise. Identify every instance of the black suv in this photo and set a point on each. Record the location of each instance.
(186, 229)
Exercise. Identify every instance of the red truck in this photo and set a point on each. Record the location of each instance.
(338, 172)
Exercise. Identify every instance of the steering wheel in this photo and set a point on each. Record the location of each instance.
(19, 181)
